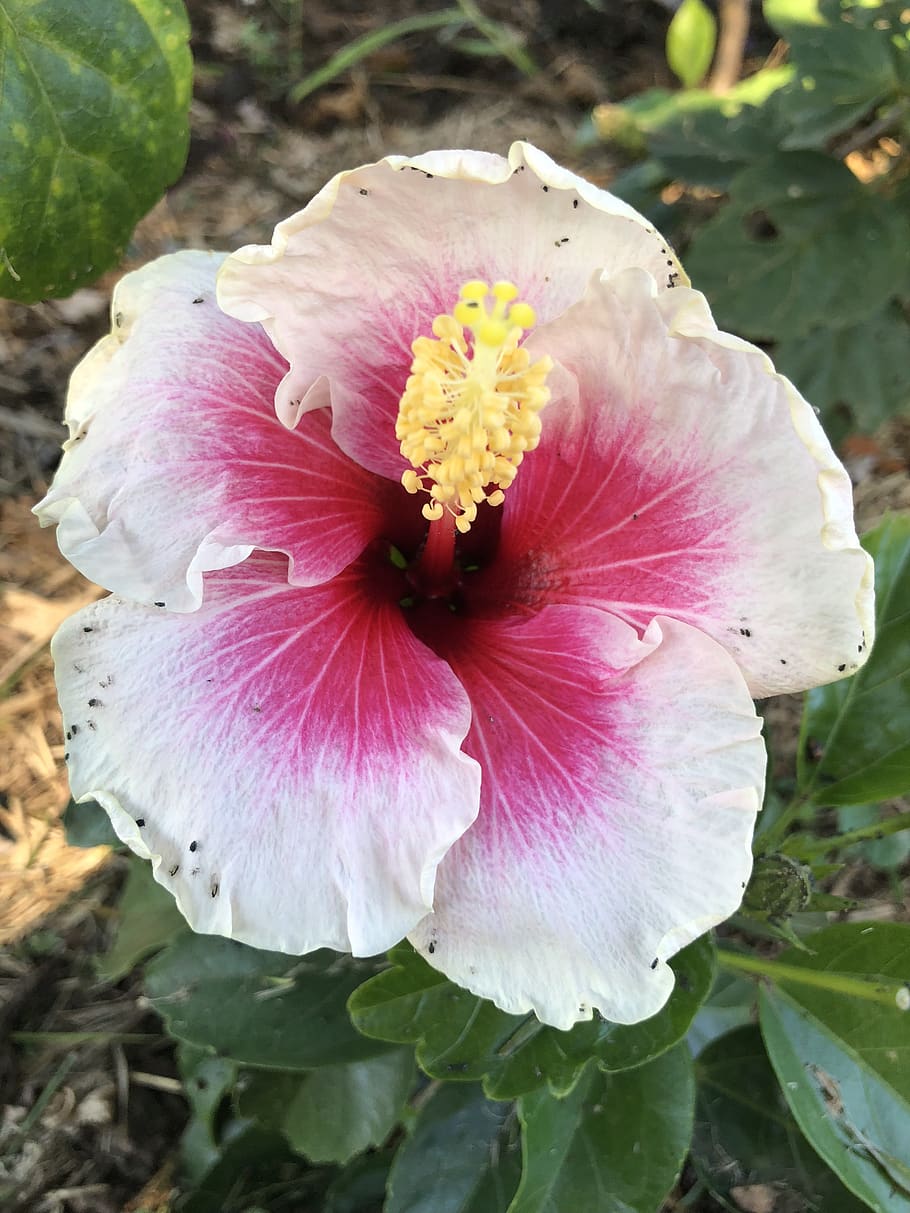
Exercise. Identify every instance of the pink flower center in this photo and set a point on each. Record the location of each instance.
(440, 578)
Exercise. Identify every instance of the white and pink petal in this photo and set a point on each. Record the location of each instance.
(680, 475)
(351, 280)
(176, 464)
(288, 757)
(621, 779)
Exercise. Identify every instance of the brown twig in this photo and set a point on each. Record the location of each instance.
(731, 44)
(861, 138)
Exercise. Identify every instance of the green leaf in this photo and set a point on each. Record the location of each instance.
(850, 58)
(461, 1036)
(854, 745)
(732, 1004)
(800, 245)
(690, 41)
(710, 142)
(253, 1165)
(844, 1064)
(94, 99)
(745, 1134)
(206, 1082)
(87, 825)
(368, 44)
(260, 1008)
(858, 376)
(641, 187)
(653, 109)
(463, 1157)
(615, 1144)
(147, 920)
(360, 1187)
(335, 1112)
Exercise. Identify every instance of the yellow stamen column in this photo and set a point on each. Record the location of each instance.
(470, 407)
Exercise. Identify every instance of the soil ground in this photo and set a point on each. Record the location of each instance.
(92, 1105)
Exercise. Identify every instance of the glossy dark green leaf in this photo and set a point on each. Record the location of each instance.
(463, 1157)
(858, 376)
(851, 58)
(800, 245)
(615, 1144)
(745, 1134)
(461, 1036)
(87, 825)
(333, 1113)
(843, 1062)
(690, 41)
(260, 1008)
(855, 745)
(147, 920)
(94, 99)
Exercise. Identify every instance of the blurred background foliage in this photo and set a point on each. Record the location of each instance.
(788, 193)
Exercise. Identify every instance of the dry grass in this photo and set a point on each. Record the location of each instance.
(38, 871)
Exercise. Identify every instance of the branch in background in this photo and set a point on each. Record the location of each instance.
(870, 134)
(731, 44)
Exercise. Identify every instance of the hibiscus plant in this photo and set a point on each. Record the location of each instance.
(449, 543)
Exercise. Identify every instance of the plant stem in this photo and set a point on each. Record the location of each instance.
(881, 990)
(351, 54)
(806, 848)
(498, 38)
(81, 1038)
(728, 60)
(775, 834)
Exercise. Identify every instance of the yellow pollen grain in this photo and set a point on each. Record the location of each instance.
(471, 404)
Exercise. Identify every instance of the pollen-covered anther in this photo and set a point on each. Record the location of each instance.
(470, 406)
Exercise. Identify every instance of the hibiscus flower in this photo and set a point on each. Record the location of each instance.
(448, 543)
